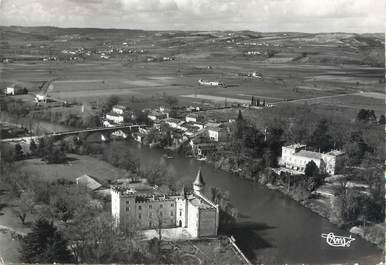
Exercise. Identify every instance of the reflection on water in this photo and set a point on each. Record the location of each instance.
(272, 227)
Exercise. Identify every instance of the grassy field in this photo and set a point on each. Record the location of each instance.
(77, 166)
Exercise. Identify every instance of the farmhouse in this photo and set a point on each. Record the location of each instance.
(10, 90)
(296, 157)
(210, 83)
(15, 90)
(144, 209)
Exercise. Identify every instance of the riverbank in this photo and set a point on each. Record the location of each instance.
(372, 233)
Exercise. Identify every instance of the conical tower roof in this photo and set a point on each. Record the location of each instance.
(199, 181)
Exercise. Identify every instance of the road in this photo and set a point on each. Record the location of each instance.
(316, 98)
(363, 94)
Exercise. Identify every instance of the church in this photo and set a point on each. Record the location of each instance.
(142, 207)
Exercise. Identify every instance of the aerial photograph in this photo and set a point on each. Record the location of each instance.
(192, 132)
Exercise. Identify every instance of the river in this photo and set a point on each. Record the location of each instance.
(276, 229)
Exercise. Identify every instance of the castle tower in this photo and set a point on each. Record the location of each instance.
(199, 184)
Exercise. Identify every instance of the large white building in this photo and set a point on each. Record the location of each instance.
(145, 209)
(119, 109)
(114, 118)
(296, 157)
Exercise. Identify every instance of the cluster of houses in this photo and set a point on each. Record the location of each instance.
(192, 128)
(104, 52)
(203, 135)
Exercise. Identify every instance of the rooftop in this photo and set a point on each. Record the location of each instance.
(197, 202)
(199, 181)
(335, 153)
(309, 154)
(119, 107)
(296, 146)
(174, 120)
(89, 181)
(113, 114)
(216, 129)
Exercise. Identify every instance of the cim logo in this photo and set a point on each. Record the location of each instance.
(338, 241)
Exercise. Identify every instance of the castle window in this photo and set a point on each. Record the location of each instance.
(180, 212)
(171, 213)
(127, 202)
(161, 206)
(127, 208)
(150, 215)
(160, 214)
(139, 207)
(139, 216)
(150, 206)
(172, 205)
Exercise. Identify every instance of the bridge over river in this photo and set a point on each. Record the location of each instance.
(28, 139)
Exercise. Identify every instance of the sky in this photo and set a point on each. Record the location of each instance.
(258, 15)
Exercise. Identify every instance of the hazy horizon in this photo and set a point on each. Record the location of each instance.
(192, 30)
(306, 16)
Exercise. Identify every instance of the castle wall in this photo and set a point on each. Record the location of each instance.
(181, 213)
(207, 222)
(155, 214)
(193, 216)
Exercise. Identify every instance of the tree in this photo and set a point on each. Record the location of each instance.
(356, 148)
(320, 139)
(41, 147)
(110, 102)
(228, 214)
(382, 119)
(239, 126)
(171, 101)
(271, 52)
(45, 245)
(91, 121)
(33, 148)
(159, 223)
(96, 240)
(365, 115)
(7, 154)
(18, 152)
(24, 205)
(311, 169)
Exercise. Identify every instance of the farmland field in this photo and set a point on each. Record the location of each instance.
(300, 66)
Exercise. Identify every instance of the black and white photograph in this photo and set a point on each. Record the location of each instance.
(194, 132)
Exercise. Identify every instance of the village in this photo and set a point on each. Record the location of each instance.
(191, 147)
